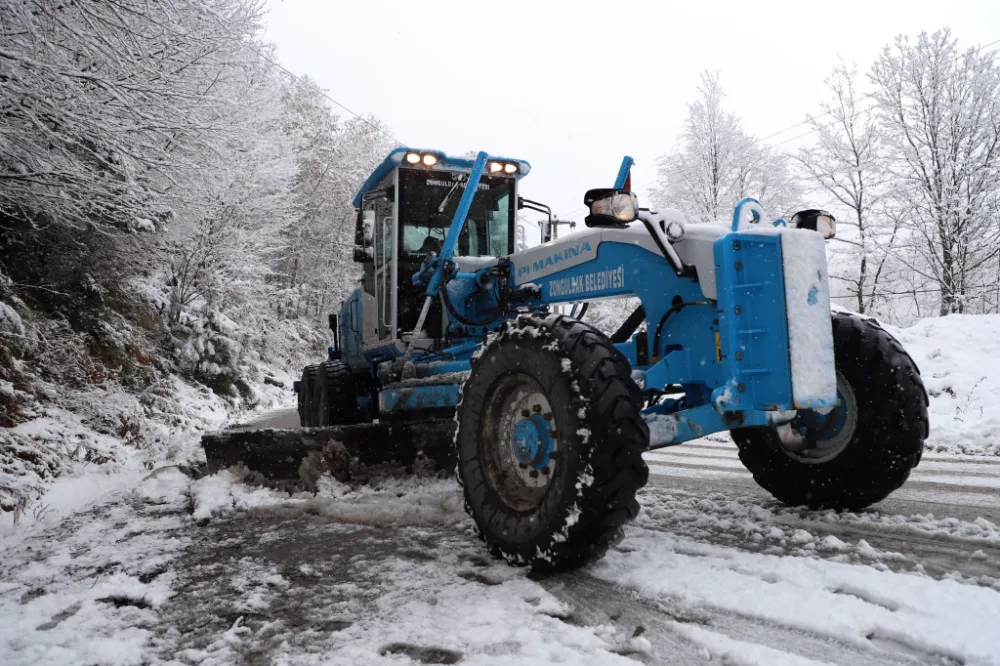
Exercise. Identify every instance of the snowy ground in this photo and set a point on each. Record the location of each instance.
(166, 570)
(120, 566)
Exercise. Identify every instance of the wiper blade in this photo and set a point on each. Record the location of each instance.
(444, 202)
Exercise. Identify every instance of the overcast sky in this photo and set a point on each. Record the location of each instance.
(573, 86)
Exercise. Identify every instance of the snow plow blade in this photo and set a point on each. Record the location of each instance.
(350, 453)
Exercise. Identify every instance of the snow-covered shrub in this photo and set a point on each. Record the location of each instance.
(10, 322)
(212, 349)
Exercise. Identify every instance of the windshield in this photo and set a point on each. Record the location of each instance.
(428, 200)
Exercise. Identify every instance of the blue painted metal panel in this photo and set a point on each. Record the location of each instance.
(445, 163)
(754, 329)
(618, 269)
(688, 345)
(409, 398)
(434, 368)
(350, 322)
(623, 172)
(383, 353)
(696, 422)
(629, 351)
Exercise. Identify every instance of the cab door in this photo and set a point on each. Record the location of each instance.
(379, 285)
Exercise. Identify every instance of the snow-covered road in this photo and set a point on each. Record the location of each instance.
(175, 571)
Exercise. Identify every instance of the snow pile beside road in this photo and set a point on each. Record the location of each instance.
(959, 360)
(99, 431)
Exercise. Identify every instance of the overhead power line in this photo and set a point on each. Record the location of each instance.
(322, 92)
(807, 121)
(860, 99)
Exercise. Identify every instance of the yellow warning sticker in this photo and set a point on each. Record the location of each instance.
(718, 347)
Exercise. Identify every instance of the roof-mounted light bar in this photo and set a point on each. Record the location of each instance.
(427, 159)
(509, 168)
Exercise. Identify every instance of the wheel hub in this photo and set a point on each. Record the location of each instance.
(532, 441)
(815, 438)
(521, 441)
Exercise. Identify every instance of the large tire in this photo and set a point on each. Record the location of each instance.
(308, 414)
(551, 370)
(889, 426)
(338, 402)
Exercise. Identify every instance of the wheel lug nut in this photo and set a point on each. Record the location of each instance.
(533, 473)
(525, 413)
(547, 416)
(552, 434)
(523, 465)
(536, 408)
(546, 471)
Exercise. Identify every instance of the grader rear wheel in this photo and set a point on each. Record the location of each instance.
(337, 404)
(308, 414)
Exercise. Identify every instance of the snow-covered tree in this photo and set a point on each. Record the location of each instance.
(102, 104)
(847, 164)
(157, 167)
(332, 157)
(716, 164)
(939, 112)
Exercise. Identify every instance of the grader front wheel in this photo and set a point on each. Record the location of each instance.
(863, 450)
(550, 440)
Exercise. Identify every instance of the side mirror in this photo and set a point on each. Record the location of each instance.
(611, 206)
(364, 236)
(815, 220)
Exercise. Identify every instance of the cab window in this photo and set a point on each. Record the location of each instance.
(429, 199)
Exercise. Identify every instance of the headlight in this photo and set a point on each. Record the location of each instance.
(430, 160)
(413, 158)
(623, 206)
(496, 167)
(510, 168)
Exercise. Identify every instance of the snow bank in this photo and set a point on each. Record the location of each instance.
(959, 360)
(10, 321)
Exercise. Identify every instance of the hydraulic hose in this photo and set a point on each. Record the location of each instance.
(659, 327)
(463, 320)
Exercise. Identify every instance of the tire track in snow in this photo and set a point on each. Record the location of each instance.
(716, 494)
(680, 632)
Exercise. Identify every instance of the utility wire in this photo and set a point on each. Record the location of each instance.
(307, 84)
(322, 92)
(929, 290)
(807, 121)
(860, 99)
